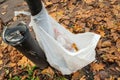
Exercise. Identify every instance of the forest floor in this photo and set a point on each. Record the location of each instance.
(78, 16)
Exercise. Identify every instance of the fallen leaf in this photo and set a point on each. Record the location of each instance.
(3, 46)
(3, 13)
(97, 77)
(15, 18)
(103, 75)
(55, 1)
(5, 7)
(12, 64)
(0, 37)
(101, 32)
(10, 48)
(1, 62)
(112, 78)
(1, 55)
(71, 6)
(48, 72)
(48, 3)
(24, 3)
(97, 66)
(25, 61)
(106, 43)
(76, 75)
(24, 77)
(118, 44)
(115, 36)
(83, 78)
(118, 78)
(2, 75)
(89, 1)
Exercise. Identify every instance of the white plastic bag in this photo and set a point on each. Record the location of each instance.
(54, 47)
(60, 58)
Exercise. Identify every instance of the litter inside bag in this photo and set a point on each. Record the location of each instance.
(65, 41)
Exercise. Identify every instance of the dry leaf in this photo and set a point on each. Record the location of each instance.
(3, 13)
(1, 62)
(101, 32)
(89, 1)
(83, 78)
(103, 75)
(55, 1)
(76, 76)
(1, 55)
(118, 78)
(3, 46)
(11, 64)
(74, 46)
(70, 5)
(2, 75)
(53, 14)
(24, 77)
(24, 62)
(48, 3)
(112, 78)
(0, 37)
(106, 43)
(118, 44)
(97, 66)
(24, 3)
(48, 72)
(59, 15)
(10, 48)
(77, 28)
(5, 7)
(15, 18)
(97, 77)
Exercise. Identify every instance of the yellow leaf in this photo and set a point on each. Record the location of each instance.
(24, 62)
(118, 79)
(101, 32)
(106, 43)
(0, 37)
(12, 64)
(97, 66)
(48, 3)
(97, 77)
(76, 75)
(89, 1)
(3, 13)
(4, 45)
(118, 49)
(1, 55)
(83, 78)
(74, 46)
(48, 71)
(112, 78)
(1, 62)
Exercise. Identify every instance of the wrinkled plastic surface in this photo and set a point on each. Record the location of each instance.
(57, 55)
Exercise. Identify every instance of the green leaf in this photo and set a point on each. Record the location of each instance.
(16, 78)
(60, 78)
(37, 78)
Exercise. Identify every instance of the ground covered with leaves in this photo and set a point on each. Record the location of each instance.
(78, 16)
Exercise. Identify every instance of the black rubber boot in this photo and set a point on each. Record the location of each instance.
(35, 6)
(18, 36)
